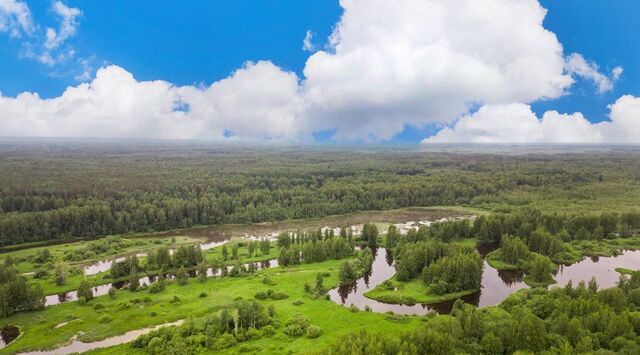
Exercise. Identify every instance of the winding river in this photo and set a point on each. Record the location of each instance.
(496, 285)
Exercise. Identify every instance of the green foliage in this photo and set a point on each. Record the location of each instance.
(85, 291)
(513, 249)
(16, 294)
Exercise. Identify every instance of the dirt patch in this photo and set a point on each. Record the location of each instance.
(220, 232)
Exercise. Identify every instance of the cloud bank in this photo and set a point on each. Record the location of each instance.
(386, 65)
(516, 123)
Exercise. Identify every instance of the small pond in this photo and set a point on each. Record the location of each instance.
(8, 334)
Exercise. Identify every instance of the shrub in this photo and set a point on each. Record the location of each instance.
(175, 299)
(156, 287)
(268, 330)
(82, 301)
(98, 306)
(261, 295)
(278, 295)
(146, 299)
(296, 326)
(105, 319)
(153, 314)
(298, 303)
(253, 333)
(388, 285)
(113, 292)
(354, 309)
(314, 332)
(224, 341)
(268, 280)
(202, 295)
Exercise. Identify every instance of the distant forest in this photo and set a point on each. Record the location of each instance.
(57, 192)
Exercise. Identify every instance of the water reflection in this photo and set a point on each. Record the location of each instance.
(8, 334)
(602, 268)
(496, 285)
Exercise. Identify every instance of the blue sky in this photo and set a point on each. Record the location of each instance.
(200, 42)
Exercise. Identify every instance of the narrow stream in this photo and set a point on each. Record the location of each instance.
(496, 285)
(101, 290)
(105, 265)
(77, 346)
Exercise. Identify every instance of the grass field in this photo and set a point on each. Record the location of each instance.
(131, 311)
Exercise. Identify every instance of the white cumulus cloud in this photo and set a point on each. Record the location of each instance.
(255, 102)
(517, 123)
(388, 64)
(576, 64)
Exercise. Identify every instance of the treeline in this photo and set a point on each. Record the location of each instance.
(315, 251)
(532, 225)
(569, 320)
(79, 193)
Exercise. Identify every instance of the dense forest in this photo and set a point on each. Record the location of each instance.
(84, 191)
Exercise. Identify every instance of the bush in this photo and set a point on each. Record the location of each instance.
(314, 332)
(113, 292)
(278, 295)
(175, 299)
(202, 295)
(146, 299)
(82, 301)
(268, 330)
(153, 314)
(224, 341)
(105, 319)
(98, 306)
(298, 303)
(387, 285)
(296, 326)
(261, 295)
(268, 280)
(354, 309)
(156, 287)
(253, 333)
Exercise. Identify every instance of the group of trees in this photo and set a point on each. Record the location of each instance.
(455, 273)
(569, 320)
(16, 294)
(412, 258)
(239, 322)
(315, 251)
(186, 256)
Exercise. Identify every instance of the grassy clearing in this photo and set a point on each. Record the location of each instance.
(410, 292)
(39, 330)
